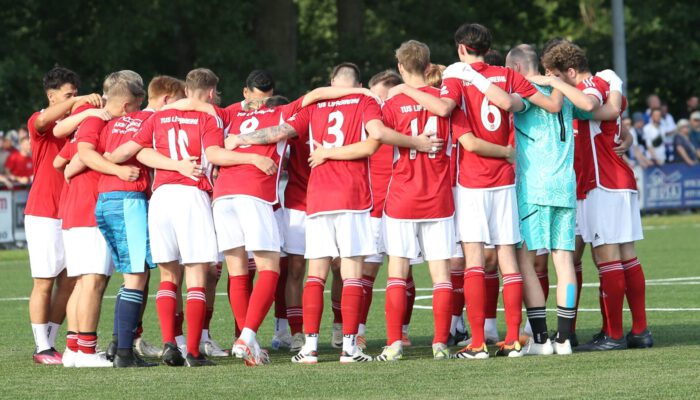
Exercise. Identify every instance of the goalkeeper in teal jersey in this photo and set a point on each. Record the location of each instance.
(546, 193)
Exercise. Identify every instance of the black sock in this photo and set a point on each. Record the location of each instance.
(125, 352)
(565, 318)
(538, 321)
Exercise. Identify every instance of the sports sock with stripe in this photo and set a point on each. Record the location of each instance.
(351, 304)
(367, 293)
(565, 317)
(238, 296)
(165, 306)
(280, 289)
(612, 286)
(635, 291)
(457, 279)
(538, 322)
(129, 311)
(72, 341)
(195, 311)
(87, 342)
(475, 299)
(115, 328)
(513, 304)
(410, 300)
(312, 302)
(492, 288)
(394, 308)
(442, 311)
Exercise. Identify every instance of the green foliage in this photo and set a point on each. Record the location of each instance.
(170, 37)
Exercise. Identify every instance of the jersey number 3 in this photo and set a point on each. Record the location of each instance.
(335, 123)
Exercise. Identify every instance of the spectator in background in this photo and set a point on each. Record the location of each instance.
(695, 129)
(692, 105)
(685, 151)
(22, 132)
(18, 166)
(637, 154)
(653, 101)
(654, 138)
(6, 149)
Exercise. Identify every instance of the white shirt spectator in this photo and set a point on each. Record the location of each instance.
(654, 139)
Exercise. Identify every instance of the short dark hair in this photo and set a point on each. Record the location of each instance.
(260, 79)
(347, 68)
(475, 37)
(388, 78)
(276, 101)
(59, 76)
(494, 57)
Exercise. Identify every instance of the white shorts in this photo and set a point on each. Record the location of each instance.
(611, 217)
(246, 221)
(457, 249)
(488, 216)
(279, 217)
(294, 228)
(345, 234)
(409, 239)
(180, 225)
(47, 257)
(580, 221)
(378, 237)
(87, 252)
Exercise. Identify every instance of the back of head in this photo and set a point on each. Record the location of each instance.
(166, 86)
(433, 75)
(123, 75)
(413, 56)
(475, 38)
(124, 90)
(388, 78)
(346, 72)
(261, 80)
(565, 55)
(201, 79)
(494, 57)
(276, 101)
(59, 76)
(525, 56)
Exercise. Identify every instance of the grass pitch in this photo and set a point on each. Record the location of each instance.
(669, 370)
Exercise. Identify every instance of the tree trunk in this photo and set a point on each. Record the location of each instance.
(350, 26)
(276, 32)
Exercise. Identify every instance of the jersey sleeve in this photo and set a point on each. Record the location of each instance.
(459, 123)
(300, 121)
(452, 89)
(388, 115)
(371, 109)
(520, 85)
(292, 108)
(67, 151)
(144, 136)
(595, 92)
(580, 114)
(89, 131)
(212, 134)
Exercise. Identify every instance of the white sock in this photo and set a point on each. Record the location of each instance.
(281, 326)
(180, 341)
(453, 325)
(528, 328)
(53, 332)
(248, 336)
(361, 330)
(311, 343)
(205, 335)
(41, 337)
(349, 344)
(491, 326)
(404, 329)
(460, 324)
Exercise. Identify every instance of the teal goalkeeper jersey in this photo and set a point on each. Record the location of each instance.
(544, 147)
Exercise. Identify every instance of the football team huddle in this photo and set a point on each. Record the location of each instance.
(480, 167)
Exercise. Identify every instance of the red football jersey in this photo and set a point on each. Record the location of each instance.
(247, 179)
(19, 165)
(65, 153)
(380, 165)
(117, 132)
(420, 186)
(80, 200)
(488, 122)
(298, 169)
(596, 161)
(44, 194)
(337, 186)
(179, 135)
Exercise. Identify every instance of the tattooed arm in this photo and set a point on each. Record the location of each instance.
(272, 134)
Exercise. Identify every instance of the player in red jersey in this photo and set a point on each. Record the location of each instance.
(486, 191)
(42, 222)
(92, 264)
(610, 193)
(338, 202)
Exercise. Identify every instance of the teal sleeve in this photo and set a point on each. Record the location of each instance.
(579, 114)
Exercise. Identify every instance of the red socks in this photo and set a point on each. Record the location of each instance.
(457, 278)
(474, 298)
(195, 311)
(635, 290)
(312, 301)
(351, 305)
(367, 288)
(395, 307)
(612, 285)
(442, 311)
(295, 317)
(87, 342)
(72, 341)
(280, 296)
(261, 299)
(513, 304)
(238, 294)
(544, 283)
(165, 306)
(410, 299)
(492, 287)
(251, 274)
